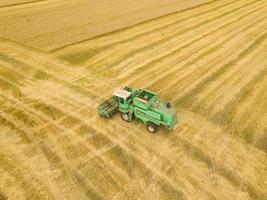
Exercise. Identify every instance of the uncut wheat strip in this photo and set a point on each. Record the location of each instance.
(141, 29)
(232, 56)
(130, 52)
(238, 153)
(220, 93)
(69, 132)
(147, 39)
(153, 151)
(173, 56)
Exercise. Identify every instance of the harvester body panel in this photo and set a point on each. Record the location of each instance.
(140, 104)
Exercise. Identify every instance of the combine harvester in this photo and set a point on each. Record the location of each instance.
(140, 104)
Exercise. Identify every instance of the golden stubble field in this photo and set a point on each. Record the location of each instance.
(209, 61)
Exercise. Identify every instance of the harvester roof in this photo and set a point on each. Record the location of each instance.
(122, 93)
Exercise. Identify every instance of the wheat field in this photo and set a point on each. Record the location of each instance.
(208, 60)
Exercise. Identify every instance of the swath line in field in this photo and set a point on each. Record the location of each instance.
(152, 65)
(171, 34)
(155, 44)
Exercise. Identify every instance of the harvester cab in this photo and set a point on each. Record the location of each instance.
(140, 104)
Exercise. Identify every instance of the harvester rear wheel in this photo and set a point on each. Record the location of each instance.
(125, 117)
(151, 127)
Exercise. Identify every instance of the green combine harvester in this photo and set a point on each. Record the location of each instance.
(140, 104)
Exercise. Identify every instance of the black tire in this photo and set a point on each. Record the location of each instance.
(151, 127)
(125, 117)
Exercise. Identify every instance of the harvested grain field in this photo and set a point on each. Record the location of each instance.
(209, 61)
(52, 24)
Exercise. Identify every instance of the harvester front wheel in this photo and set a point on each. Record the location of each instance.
(151, 127)
(125, 117)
